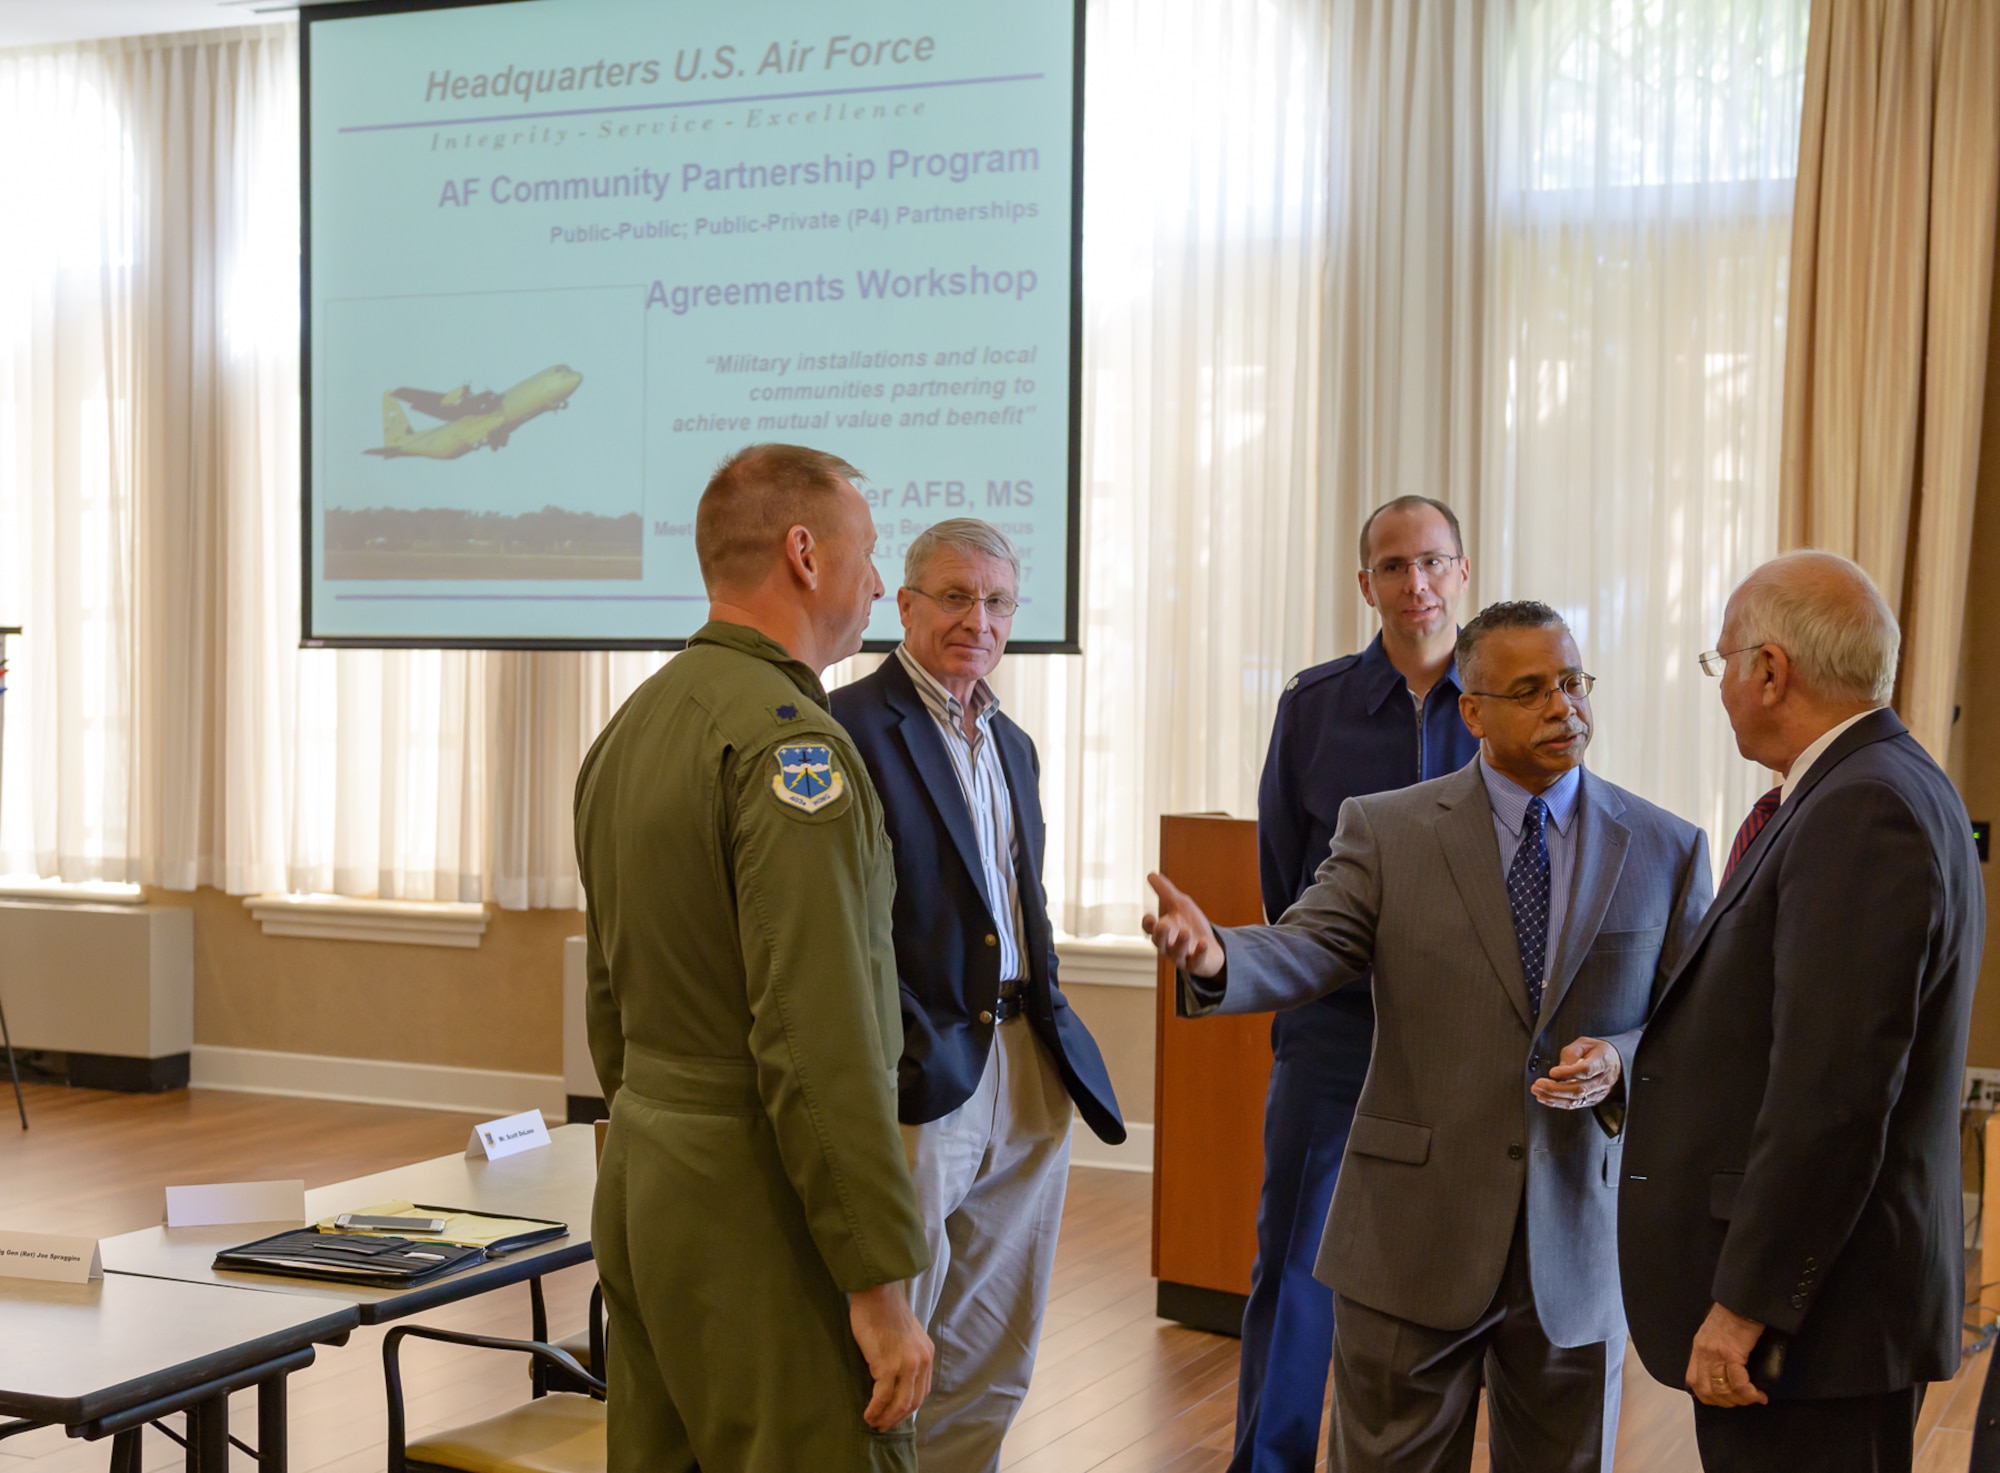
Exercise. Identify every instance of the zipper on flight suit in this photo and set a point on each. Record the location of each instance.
(1420, 702)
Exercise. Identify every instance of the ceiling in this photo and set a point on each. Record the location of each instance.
(39, 22)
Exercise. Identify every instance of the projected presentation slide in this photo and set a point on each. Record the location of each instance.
(564, 256)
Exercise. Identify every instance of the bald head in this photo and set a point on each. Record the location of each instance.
(1827, 615)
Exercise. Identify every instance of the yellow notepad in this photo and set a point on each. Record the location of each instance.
(466, 1229)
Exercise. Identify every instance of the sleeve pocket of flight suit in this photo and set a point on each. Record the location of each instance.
(1390, 1140)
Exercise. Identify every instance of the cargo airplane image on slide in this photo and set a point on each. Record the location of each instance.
(470, 420)
(498, 531)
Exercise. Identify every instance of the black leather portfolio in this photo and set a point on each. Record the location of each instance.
(348, 1258)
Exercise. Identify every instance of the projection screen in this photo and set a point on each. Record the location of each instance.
(561, 257)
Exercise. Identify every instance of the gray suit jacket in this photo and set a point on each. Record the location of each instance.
(1447, 1137)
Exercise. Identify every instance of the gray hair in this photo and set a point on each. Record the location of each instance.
(1826, 613)
(1516, 614)
(965, 535)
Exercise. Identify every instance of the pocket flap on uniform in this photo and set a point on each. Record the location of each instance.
(1392, 1140)
(1722, 1190)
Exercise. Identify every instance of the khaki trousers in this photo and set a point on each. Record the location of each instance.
(990, 1181)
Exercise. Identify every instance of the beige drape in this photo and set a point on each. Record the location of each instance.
(1892, 273)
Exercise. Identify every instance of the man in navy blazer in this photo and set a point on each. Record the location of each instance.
(993, 1057)
(1789, 1223)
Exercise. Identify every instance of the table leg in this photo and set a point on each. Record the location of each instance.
(125, 1451)
(208, 1435)
(271, 1450)
(538, 1329)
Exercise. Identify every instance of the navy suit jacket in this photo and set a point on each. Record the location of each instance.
(947, 971)
(1792, 1148)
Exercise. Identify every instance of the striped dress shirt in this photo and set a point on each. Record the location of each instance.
(976, 761)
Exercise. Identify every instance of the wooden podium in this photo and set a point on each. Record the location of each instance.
(1210, 1078)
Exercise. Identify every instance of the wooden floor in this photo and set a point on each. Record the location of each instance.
(1116, 1390)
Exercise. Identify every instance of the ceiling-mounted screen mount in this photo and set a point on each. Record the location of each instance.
(564, 256)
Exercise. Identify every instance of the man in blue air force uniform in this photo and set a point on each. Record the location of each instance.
(1365, 723)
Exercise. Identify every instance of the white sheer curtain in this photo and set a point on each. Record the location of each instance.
(1638, 250)
(1554, 237)
(65, 501)
(1204, 541)
(1529, 256)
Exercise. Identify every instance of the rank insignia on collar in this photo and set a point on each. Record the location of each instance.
(807, 779)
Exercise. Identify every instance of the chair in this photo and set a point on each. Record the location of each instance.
(560, 1432)
(585, 1347)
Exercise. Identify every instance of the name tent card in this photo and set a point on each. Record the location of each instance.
(50, 1256)
(237, 1201)
(509, 1137)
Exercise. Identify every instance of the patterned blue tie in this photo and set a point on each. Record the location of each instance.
(1528, 898)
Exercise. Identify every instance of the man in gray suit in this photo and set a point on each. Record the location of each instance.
(1517, 916)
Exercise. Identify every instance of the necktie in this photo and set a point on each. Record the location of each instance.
(1528, 898)
(1760, 814)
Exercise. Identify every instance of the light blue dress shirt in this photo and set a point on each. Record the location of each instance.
(1510, 812)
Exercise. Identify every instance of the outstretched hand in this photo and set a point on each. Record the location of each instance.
(1180, 932)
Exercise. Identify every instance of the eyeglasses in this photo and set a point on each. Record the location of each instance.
(1432, 565)
(1714, 662)
(957, 602)
(1573, 687)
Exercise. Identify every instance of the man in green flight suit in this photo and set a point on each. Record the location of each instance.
(755, 1222)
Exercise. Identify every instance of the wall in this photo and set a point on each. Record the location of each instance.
(1121, 1020)
(498, 1006)
(495, 1007)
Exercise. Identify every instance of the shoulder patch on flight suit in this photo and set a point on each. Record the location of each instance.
(808, 778)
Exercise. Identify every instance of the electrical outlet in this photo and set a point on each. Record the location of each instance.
(1982, 1089)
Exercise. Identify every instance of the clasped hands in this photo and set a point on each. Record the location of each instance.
(1587, 1072)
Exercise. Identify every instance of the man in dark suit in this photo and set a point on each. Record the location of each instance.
(1516, 916)
(992, 1054)
(1789, 1224)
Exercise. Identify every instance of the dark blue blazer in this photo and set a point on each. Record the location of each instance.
(947, 971)
(1792, 1147)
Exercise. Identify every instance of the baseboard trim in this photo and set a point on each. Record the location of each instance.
(1135, 1153)
(491, 1092)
